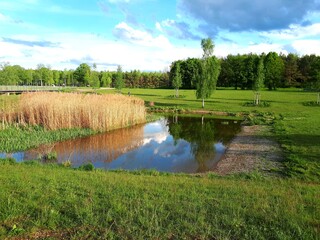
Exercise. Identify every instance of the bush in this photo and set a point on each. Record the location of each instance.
(252, 104)
(311, 104)
(87, 167)
(10, 161)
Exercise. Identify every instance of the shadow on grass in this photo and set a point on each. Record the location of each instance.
(145, 95)
(156, 104)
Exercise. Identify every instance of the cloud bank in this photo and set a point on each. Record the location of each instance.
(248, 15)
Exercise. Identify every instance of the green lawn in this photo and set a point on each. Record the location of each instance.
(61, 203)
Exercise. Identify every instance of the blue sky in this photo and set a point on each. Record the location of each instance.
(149, 34)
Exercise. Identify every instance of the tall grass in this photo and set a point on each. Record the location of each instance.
(69, 110)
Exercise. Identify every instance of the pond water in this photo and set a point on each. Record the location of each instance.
(170, 144)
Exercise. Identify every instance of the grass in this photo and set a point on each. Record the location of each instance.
(13, 139)
(69, 110)
(55, 202)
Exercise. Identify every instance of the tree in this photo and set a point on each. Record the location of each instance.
(9, 75)
(94, 79)
(315, 75)
(189, 69)
(106, 79)
(291, 71)
(119, 83)
(208, 72)
(258, 81)
(175, 76)
(82, 74)
(56, 77)
(274, 68)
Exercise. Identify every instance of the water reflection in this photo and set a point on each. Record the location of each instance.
(172, 144)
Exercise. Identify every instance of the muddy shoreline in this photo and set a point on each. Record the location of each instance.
(250, 151)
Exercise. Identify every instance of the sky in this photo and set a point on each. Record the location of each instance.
(148, 35)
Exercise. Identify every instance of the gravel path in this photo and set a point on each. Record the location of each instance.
(249, 151)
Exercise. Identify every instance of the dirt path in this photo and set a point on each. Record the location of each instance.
(249, 151)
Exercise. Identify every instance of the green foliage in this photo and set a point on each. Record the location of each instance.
(94, 79)
(208, 72)
(258, 83)
(253, 104)
(175, 77)
(67, 163)
(82, 74)
(49, 157)
(260, 118)
(87, 167)
(274, 68)
(311, 104)
(119, 82)
(106, 79)
(22, 138)
(9, 160)
(207, 78)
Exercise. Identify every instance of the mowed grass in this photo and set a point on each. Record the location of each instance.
(296, 126)
(227, 100)
(52, 202)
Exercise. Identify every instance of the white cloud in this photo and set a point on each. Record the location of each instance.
(307, 46)
(158, 26)
(74, 48)
(294, 32)
(124, 32)
(119, 1)
(222, 50)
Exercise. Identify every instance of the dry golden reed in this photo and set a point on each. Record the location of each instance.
(71, 110)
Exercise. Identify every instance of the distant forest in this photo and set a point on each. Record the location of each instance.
(237, 71)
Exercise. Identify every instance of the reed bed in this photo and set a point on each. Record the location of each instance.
(71, 110)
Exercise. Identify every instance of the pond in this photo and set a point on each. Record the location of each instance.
(170, 144)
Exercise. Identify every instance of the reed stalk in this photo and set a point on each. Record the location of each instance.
(70, 110)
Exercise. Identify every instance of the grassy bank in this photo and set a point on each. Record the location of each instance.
(19, 138)
(57, 202)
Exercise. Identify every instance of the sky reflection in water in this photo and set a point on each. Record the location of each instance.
(171, 144)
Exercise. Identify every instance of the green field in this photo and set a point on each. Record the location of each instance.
(62, 203)
(55, 202)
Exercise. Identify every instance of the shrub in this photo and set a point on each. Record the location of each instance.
(87, 167)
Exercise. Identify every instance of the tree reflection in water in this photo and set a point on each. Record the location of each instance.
(200, 133)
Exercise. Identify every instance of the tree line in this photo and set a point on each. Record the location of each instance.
(242, 71)
(83, 75)
(237, 71)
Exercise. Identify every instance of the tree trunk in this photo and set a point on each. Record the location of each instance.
(318, 100)
(202, 102)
